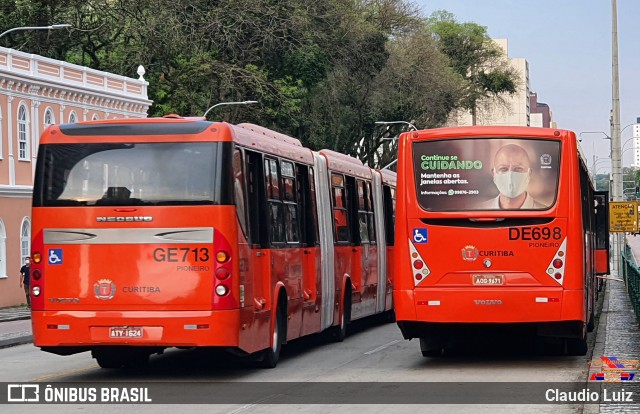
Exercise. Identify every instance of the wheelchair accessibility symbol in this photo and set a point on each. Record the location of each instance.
(420, 236)
(55, 256)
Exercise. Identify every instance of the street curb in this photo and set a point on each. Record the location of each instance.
(18, 340)
(15, 318)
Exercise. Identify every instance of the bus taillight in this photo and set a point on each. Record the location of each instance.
(418, 263)
(36, 274)
(557, 265)
(224, 286)
(222, 256)
(37, 258)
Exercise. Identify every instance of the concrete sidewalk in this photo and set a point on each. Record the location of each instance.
(15, 326)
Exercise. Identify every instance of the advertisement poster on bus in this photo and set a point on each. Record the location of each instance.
(486, 174)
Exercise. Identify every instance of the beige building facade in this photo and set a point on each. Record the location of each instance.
(36, 92)
(511, 110)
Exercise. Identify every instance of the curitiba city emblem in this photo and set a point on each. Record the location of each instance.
(104, 289)
(469, 253)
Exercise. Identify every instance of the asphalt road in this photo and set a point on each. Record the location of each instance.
(373, 353)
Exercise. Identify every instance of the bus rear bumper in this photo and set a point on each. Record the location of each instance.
(84, 329)
(551, 311)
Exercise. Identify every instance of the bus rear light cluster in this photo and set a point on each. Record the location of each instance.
(36, 274)
(222, 273)
(557, 266)
(420, 268)
(35, 290)
(223, 297)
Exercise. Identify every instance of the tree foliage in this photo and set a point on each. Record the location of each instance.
(475, 58)
(322, 71)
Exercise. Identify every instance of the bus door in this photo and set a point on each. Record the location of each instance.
(258, 284)
(602, 232)
(284, 237)
(381, 243)
(368, 257)
(308, 221)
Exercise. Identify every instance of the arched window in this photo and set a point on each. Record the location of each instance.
(49, 118)
(25, 239)
(73, 118)
(3, 250)
(23, 133)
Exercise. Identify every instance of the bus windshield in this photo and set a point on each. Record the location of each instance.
(486, 174)
(124, 174)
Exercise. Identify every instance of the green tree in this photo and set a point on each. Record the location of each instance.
(475, 58)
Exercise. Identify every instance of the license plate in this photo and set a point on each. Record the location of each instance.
(488, 280)
(125, 332)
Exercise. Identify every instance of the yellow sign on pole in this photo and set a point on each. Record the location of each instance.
(623, 216)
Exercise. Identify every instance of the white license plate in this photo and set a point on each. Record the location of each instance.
(488, 279)
(125, 332)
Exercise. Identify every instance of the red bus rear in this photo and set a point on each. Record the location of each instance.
(175, 232)
(496, 229)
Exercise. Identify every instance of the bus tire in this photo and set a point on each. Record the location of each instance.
(430, 348)
(108, 358)
(136, 360)
(340, 331)
(271, 355)
(592, 322)
(577, 346)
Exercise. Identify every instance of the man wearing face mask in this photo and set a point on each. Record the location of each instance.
(511, 174)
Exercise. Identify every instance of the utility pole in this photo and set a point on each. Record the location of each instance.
(616, 155)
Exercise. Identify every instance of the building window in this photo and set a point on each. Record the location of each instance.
(95, 117)
(49, 118)
(73, 118)
(23, 133)
(3, 251)
(0, 132)
(25, 239)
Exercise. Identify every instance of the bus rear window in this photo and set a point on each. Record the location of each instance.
(486, 174)
(122, 174)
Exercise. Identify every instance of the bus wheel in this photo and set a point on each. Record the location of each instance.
(340, 331)
(272, 355)
(430, 348)
(136, 360)
(592, 322)
(577, 346)
(108, 358)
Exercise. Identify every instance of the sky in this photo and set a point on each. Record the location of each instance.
(567, 44)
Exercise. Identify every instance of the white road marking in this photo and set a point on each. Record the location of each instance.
(380, 348)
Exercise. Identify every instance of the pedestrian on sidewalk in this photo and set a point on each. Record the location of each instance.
(25, 280)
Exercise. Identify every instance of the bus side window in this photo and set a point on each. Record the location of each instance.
(304, 194)
(340, 217)
(239, 191)
(352, 210)
(256, 196)
(275, 207)
(313, 237)
(389, 195)
(290, 199)
(370, 214)
(363, 226)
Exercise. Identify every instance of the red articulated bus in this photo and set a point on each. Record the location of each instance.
(499, 228)
(178, 232)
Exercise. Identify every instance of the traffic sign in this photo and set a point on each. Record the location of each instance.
(623, 216)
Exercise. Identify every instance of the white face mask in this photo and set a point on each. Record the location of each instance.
(511, 184)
